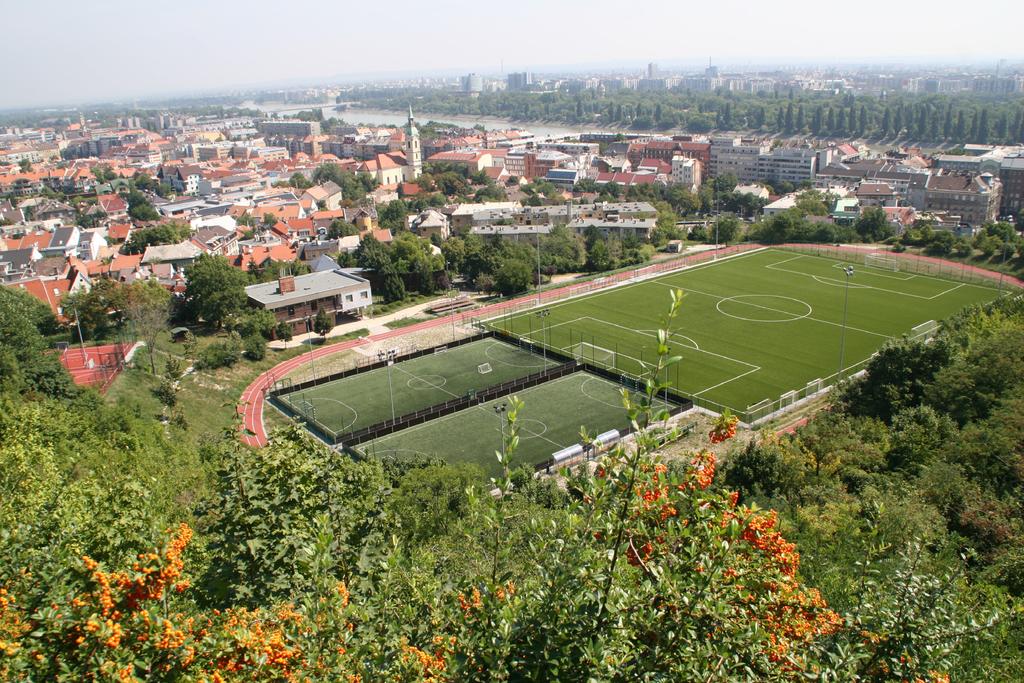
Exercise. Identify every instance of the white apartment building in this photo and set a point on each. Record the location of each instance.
(686, 172)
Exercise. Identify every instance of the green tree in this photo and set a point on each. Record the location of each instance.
(322, 323)
(215, 290)
(513, 277)
(140, 208)
(873, 225)
(393, 287)
(147, 308)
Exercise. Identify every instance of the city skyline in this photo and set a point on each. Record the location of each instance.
(192, 53)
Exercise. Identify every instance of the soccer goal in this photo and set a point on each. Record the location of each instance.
(925, 330)
(596, 354)
(787, 399)
(813, 387)
(483, 368)
(882, 262)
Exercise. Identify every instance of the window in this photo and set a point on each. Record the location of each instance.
(348, 297)
(364, 294)
(291, 311)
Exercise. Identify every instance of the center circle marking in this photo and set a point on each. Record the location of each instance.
(745, 299)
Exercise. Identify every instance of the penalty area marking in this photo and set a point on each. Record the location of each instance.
(487, 352)
(355, 412)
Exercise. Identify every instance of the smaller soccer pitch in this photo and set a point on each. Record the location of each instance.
(365, 399)
(550, 420)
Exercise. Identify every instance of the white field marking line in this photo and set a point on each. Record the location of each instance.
(909, 276)
(334, 400)
(817, 320)
(583, 390)
(742, 300)
(487, 352)
(408, 382)
(860, 285)
(626, 284)
(409, 430)
(733, 379)
(933, 277)
(696, 347)
(655, 336)
(533, 434)
(428, 383)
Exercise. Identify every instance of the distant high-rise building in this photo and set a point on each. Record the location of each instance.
(711, 71)
(472, 83)
(520, 80)
(652, 70)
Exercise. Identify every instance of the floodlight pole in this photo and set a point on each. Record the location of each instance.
(309, 338)
(499, 410)
(848, 270)
(543, 315)
(81, 340)
(538, 266)
(391, 361)
(717, 218)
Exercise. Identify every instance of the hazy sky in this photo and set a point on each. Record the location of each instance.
(62, 52)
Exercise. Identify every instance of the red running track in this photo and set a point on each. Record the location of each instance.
(254, 397)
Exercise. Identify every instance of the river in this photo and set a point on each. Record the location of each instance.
(381, 117)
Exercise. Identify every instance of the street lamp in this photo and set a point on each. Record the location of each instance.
(500, 410)
(543, 315)
(848, 270)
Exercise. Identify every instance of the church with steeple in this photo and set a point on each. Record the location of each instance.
(413, 153)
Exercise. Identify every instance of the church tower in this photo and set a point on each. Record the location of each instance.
(413, 153)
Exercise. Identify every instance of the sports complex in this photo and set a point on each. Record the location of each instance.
(758, 331)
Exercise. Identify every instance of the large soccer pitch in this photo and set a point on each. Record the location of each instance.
(551, 418)
(752, 327)
(365, 399)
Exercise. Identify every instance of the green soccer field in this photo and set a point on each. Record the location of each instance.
(752, 327)
(365, 399)
(550, 420)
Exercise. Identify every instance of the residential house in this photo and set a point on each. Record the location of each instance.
(297, 299)
(177, 255)
(52, 209)
(90, 244)
(428, 223)
(63, 242)
(324, 197)
(216, 240)
(18, 264)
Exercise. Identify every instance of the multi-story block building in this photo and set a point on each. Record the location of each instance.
(736, 156)
(789, 164)
(974, 198)
(686, 172)
(1011, 175)
(290, 127)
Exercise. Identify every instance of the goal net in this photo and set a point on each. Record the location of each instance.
(787, 399)
(925, 330)
(882, 262)
(813, 387)
(586, 351)
(483, 368)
